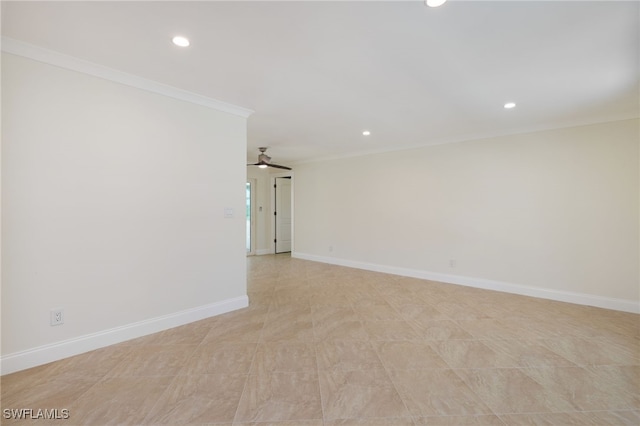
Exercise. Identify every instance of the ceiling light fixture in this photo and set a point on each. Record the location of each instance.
(366, 133)
(435, 3)
(180, 41)
(509, 105)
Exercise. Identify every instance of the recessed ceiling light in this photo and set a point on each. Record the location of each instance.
(510, 105)
(366, 133)
(435, 3)
(180, 41)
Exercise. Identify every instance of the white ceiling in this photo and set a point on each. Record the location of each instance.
(318, 73)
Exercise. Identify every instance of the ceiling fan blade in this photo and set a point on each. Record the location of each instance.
(265, 161)
(279, 167)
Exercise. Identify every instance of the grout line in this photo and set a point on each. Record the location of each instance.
(248, 375)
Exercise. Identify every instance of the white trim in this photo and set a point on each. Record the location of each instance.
(262, 252)
(254, 217)
(539, 292)
(272, 187)
(470, 137)
(40, 54)
(56, 351)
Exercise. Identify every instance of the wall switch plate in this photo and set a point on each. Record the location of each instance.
(228, 212)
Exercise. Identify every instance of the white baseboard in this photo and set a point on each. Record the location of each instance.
(543, 293)
(56, 351)
(262, 252)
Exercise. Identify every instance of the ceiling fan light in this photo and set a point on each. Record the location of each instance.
(262, 166)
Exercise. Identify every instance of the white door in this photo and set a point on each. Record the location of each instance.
(283, 215)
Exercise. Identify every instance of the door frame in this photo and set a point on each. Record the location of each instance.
(273, 208)
(254, 218)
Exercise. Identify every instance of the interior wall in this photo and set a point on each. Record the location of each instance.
(554, 210)
(114, 205)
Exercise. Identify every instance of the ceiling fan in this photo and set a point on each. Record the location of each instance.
(264, 161)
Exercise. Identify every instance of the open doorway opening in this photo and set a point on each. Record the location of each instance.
(283, 214)
(250, 216)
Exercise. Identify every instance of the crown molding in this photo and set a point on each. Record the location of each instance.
(51, 57)
(474, 137)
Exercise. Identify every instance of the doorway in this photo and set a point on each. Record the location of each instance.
(250, 216)
(283, 222)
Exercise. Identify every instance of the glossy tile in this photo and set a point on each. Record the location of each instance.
(224, 357)
(198, 399)
(471, 354)
(377, 312)
(293, 330)
(437, 392)
(619, 417)
(439, 330)
(385, 421)
(58, 392)
(576, 418)
(457, 308)
(327, 315)
(597, 388)
(329, 345)
(94, 364)
(408, 355)
(347, 330)
(479, 420)
(154, 360)
(489, 328)
(284, 356)
(280, 396)
(510, 390)
(347, 355)
(234, 331)
(619, 382)
(420, 313)
(390, 330)
(282, 423)
(254, 313)
(118, 401)
(586, 352)
(528, 353)
(287, 314)
(190, 334)
(359, 394)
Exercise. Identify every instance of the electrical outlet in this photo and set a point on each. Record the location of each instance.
(452, 263)
(57, 317)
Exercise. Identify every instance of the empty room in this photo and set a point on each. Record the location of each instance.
(320, 213)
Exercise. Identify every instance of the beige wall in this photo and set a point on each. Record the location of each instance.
(551, 213)
(113, 206)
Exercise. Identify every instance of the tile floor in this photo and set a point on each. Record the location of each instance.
(328, 345)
